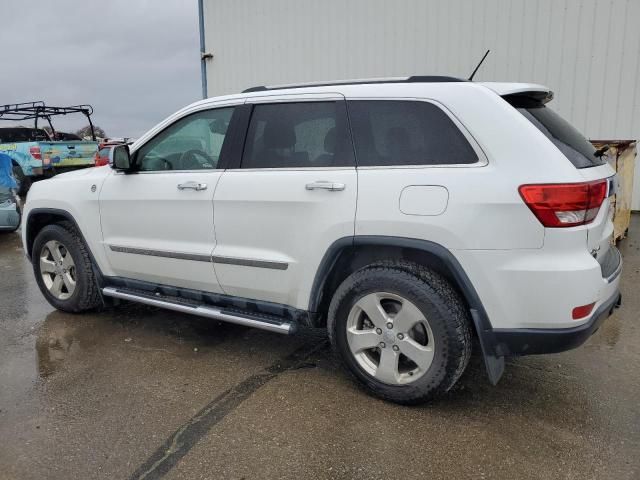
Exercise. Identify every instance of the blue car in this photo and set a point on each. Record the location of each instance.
(9, 207)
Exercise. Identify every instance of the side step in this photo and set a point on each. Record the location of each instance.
(269, 323)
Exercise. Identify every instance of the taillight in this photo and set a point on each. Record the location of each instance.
(35, 152)
(565, 204)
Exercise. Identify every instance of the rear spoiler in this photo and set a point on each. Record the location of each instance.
(521, 94)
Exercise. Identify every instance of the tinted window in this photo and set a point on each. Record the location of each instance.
(570, 141)
(192, 143)
(293, 135)
(21, 134)
(390, 132)
(67, 136)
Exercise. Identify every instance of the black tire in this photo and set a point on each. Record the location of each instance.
(24, 182)
(447, 316)
(86, 295)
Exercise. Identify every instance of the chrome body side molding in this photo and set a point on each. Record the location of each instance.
(244, 262)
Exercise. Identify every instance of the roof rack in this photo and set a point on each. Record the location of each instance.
(411, 79)
(36, 110)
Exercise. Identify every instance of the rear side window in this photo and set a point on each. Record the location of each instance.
(298, 135)
(22, 134)
(565, 136)
(401, 132)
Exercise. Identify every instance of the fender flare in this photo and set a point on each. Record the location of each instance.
(494, 362)
(48, 211)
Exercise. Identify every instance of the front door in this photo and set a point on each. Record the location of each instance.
(291, 197)
(157, 223)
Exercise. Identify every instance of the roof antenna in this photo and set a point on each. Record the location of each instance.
(478, 66)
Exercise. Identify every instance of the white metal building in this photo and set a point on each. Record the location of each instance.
(587, 51)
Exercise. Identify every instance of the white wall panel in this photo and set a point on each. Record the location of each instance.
(587, 51)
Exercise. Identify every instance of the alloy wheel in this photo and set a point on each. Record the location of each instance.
(58, 270)
(390, 338)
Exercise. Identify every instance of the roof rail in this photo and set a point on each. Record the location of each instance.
(411, 79)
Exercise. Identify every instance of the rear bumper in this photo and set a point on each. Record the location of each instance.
(552, 340)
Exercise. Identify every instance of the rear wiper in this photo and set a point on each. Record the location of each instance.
(601, 151)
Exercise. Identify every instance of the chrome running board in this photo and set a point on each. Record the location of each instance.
(269, 323)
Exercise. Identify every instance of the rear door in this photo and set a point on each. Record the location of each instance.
(290, 198)
(68, 154)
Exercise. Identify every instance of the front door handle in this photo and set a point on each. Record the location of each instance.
(325, 185)
(192, 186)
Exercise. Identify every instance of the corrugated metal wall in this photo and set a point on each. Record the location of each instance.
(587, 51)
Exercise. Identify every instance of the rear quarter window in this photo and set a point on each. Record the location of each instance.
(578, 150)
(404, 132)
(22, 134)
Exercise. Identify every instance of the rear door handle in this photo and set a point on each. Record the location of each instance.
(192, 186)
(325, 185)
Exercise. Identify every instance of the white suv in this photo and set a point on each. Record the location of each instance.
(407, 216)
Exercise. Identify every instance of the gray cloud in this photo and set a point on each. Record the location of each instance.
(135, 61)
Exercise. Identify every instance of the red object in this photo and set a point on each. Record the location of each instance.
(100, 160)
(565, 204)
(35, 152)
(102, 155)
(583, 311)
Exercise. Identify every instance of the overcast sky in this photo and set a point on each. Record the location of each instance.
(135, 61)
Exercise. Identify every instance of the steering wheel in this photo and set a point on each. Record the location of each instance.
(150, 164)
(189, 160)
(166, 163)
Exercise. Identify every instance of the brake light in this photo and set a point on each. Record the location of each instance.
(565, 204)
(35, 152)
(583, 311)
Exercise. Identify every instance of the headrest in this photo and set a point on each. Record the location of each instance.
(331, 141)
(279, 135)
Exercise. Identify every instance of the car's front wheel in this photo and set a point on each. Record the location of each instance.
(402, 330)
(63, 270)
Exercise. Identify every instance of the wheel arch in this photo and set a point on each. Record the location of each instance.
(350, 254)
(38, 218)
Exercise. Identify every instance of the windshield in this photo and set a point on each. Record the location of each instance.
(569, 141)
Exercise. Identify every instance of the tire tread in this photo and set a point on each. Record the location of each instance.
(89, 296)
(445, 299)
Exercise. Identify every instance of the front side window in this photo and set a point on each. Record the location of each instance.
(403, 132)
(192, 143)
(298, 135)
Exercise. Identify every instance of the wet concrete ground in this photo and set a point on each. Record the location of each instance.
(138, 392)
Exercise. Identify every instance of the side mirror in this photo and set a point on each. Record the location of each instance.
(120, 158)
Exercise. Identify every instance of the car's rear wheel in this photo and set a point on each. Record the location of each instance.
(402, 330)
(63, 270)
